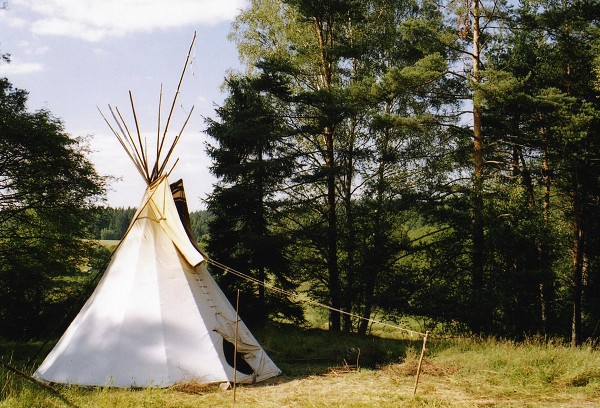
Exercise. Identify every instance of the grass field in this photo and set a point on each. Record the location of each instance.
(319, 371)
(109, 243)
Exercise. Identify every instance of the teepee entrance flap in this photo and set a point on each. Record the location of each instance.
(157, 317)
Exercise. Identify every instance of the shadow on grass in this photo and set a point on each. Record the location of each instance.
(302, 353)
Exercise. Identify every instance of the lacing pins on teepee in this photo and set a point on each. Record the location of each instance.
(154, 319)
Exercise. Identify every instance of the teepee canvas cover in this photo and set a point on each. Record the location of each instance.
(157, 317)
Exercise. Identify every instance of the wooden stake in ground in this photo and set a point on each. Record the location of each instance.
(29, 378)
(420, 362)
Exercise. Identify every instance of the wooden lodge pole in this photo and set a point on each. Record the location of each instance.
(420, 362)
(29, 377)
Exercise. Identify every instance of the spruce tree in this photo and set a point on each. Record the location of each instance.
(249, 162)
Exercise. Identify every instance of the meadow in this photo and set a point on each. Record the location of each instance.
(320, 370)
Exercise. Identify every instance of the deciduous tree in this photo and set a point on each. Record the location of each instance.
(47, 189)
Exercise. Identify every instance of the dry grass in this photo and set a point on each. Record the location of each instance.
(460, 373)
(195, 388)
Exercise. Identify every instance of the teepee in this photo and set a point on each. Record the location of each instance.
(157, 317)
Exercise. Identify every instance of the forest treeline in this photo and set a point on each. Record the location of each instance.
(438, 159)
(112, 223)
(434, 159)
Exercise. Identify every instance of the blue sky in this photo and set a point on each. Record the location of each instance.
(74, 55)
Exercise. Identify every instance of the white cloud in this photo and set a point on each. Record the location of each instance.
(30, 48)
(20, 68)
(94, 20)
(37, 51)
(7, 19)
(66, 28)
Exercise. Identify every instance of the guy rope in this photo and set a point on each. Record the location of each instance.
(294, 296)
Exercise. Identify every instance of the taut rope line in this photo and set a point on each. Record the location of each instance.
(295, 296)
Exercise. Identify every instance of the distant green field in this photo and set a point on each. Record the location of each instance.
(109, 243)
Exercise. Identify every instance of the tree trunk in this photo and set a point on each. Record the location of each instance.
(478, 309)
(577, 275)
(349, 295)
(546, 284)
(371, 278)
(324, 31)
(378, 236)
(263, 232)
(332, 257)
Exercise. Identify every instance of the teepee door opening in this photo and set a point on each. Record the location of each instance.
(157, 317)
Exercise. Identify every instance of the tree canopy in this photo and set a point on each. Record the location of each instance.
(47, 190)
(444, 157)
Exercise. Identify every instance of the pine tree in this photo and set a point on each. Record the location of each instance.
(248, 161)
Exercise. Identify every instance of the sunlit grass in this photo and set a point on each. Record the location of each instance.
(319, 370)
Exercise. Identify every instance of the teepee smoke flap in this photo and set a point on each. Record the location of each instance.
(157, 317)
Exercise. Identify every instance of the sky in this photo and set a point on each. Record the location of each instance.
(75, 56)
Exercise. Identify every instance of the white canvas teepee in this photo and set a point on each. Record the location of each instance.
(157, 317)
